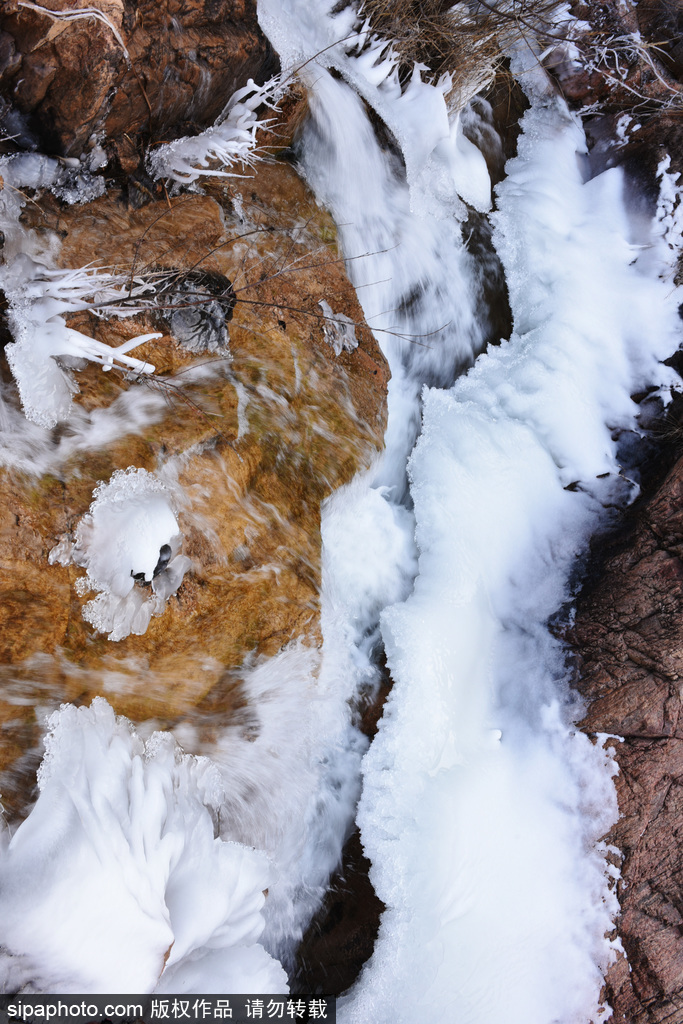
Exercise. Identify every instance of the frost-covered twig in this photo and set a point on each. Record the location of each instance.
(597, 57)
(39, 299)
(231, 141)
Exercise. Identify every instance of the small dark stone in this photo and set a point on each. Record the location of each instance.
(164, 559)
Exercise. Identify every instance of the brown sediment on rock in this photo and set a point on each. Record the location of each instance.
(257, 441)
(628, 636)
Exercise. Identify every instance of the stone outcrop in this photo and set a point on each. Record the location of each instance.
(255, 441)
(145, 68)
(628, 632)
(628, 636)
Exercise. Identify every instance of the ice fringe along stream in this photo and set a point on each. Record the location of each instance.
(482, 807)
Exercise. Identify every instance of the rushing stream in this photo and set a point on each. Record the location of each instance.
(480, 806)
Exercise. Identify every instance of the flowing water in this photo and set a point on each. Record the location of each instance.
(480, 806)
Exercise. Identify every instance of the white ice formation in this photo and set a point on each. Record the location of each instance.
(130, 536)
(117, 882)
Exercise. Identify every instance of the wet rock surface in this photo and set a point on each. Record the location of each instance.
(252, 441)
(341, 937)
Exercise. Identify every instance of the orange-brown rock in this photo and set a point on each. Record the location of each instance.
(629, 638)
(157, 68)
(256, 442)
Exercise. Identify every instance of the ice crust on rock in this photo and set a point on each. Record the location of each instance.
(338, 329)
(116, 881)
(130, 534)
(39, 297)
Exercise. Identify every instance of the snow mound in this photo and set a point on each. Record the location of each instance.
(120, 855)
(130, 535)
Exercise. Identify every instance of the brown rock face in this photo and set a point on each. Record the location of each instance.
(256, 441)
(143, 67)
(629, 637)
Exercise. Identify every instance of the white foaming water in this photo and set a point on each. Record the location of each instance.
(291, 770)
(398, 206)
